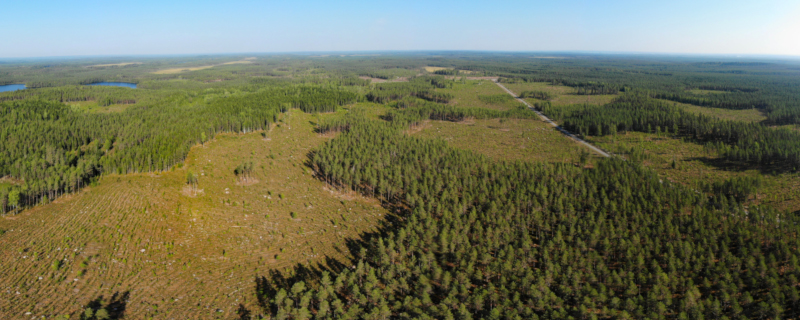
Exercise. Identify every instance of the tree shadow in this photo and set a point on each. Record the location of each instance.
(243, 313)
(114, 309)
(268, 286)
(741, 166)
(362, 247)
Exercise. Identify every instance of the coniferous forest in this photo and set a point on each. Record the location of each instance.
(461, 234)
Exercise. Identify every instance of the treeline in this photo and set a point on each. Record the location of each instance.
(55, 150)
(389, 74)
(725, 101)
(596, 89)
(446, 72)
(726, 88)
(541, 95)
(773, 87)
(103, 95)
(412, 116)
(420, 87)
(499, 98)
(736, 141)
(740, 187)
(410, 113)
(582, 87)
(498, 240)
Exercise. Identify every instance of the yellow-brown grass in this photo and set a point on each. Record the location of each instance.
(116, 64)
(563, 95)
(434, 69)
(746, 115)
(181, 253)
(239, 62)
(180, 70)
(512, 139)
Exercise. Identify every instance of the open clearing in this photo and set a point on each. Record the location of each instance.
(746, 115)
(238, 62)
(167, 252)
(563, 95)
(468, 95)
(116, 64)
(504, 140)
(434, 69)
(694, 164)
(179, 70)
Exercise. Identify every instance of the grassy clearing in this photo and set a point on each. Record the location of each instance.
(238, 62)
(747, 115)
(116, 64)
(178, 252)
(189, 69)
(468, 95)
(695, 164)
(179, 70)
(513, 139)
(434, 69)
(563, 95)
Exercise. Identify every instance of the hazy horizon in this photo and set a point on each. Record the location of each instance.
(55, 29)
(433, 52)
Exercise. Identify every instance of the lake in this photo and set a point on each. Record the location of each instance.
(12, 87)
(114, 84)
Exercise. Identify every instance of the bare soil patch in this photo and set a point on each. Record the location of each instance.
(189, 192)
(348, 195)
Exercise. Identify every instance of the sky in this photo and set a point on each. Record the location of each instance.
(34, 28)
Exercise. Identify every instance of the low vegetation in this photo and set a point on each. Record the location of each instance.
(140, 235)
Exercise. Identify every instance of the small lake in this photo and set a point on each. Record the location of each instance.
(114, 84)
(12, 87)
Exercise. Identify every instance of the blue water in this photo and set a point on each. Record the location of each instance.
(12, 87)
(115, 84)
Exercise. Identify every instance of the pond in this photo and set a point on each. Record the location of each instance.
(12, 87)
(115, 84)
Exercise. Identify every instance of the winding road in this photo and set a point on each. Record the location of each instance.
(559, 128)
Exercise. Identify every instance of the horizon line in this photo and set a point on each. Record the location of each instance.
(560, 52)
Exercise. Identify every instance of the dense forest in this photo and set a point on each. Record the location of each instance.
(481, 239)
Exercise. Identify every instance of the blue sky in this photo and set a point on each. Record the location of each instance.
(72, 28)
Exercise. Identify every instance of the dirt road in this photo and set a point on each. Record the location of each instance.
(546, 119)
